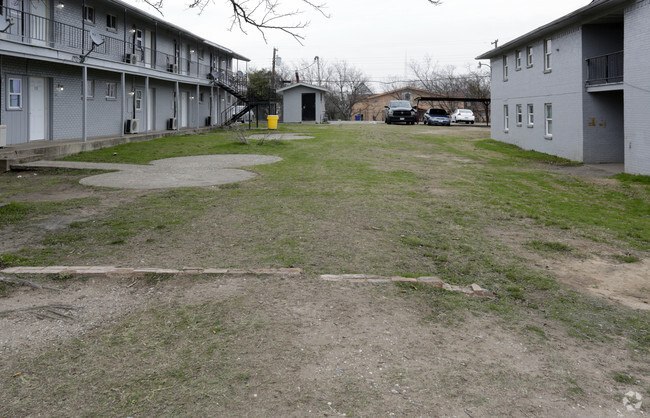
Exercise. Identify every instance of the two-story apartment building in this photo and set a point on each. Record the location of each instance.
(578, 87)
(88, 68)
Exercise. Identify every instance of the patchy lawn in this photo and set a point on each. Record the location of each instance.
(566, 254)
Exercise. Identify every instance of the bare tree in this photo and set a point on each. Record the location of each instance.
(347, 86)
(263, 15)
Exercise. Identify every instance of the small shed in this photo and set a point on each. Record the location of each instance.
(302, 102)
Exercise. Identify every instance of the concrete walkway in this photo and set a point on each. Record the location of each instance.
(199, 170)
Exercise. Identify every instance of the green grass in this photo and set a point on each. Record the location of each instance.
(372, 199)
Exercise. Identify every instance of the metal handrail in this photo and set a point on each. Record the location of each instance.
(605, 69)
(36, 30)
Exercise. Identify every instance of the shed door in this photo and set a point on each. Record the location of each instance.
(309, 106)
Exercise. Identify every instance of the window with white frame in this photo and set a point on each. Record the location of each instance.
(518, 59)
(111, 23)
(89, 14)
(506, 118)
(505, 68)
(548, 49)
(90, 89)
(519, 115)
(111, 90)
(138, 100)
(529, 56)
(548, 117)
(15, 92)
(531, 115)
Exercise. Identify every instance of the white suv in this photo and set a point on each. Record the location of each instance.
(462, 115)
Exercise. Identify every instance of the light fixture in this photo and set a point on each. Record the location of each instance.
(132, 30)
(59, 88)
(191, 50)
(132, 92)
(191, 97)
(60, 6)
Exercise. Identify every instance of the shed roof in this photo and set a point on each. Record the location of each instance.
(292, 86)
(595, 10)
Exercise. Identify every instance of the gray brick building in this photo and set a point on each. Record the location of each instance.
(79, 69)
(578, 87)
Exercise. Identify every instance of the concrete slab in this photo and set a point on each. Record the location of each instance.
(193, 171)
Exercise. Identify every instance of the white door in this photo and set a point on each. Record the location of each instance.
(150, 109)
(184, 109)
(148, 52)
(38, 22)
(37, 108)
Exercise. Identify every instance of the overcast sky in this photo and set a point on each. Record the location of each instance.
(378, 36)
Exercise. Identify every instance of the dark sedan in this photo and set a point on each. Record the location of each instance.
(436, 117)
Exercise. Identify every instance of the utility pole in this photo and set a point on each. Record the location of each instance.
(495, 43)
(275, 50)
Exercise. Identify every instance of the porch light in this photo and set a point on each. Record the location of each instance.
(59, 88)
(132, 92)
(132, 30)
(60, 6)
(191, 97)
(192, 51)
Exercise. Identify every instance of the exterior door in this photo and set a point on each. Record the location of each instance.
(148, 49)
(38, 22)
(309, 107)
(184, 109)
(37, 108)
(151, 123)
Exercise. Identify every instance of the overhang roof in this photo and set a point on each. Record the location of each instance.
(595, 10)
(292, 86)
(178, 28)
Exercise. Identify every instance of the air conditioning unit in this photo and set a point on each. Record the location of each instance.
(132, 58)
(132, 126)
(3, 135)
(208, 121)
(172, 124)
(172, 68)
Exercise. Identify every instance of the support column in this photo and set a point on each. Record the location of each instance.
(84, 101)
(146, 104)
(122, 103)
(198, 107)
(178, 99)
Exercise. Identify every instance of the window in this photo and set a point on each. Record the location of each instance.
(407, 96)
(506, 119)
(548, 125)
(138, 100)
(505, 68)
(529, 56)
(111, 90)
(518, 60)
(547, 54)
(15, 93)
(531, 115)
(90, 89)
(111, 23)
(89, 14)
(519, 115)
(201, 97)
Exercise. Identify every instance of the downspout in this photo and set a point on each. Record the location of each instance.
(83, 27)
(198, 107)
(124, 36)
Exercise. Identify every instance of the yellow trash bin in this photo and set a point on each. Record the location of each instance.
(273, 121)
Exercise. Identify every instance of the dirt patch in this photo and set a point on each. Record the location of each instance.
(305, 346)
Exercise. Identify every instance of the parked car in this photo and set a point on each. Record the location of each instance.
(436, 117)
(401, 111)
(462, 115)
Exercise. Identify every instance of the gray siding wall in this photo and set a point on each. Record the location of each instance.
(292, 104)
(562, 87)
(637, 89)
(602, 111)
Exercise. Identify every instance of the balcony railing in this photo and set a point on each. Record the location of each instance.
(39, 31)
(605, 69)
